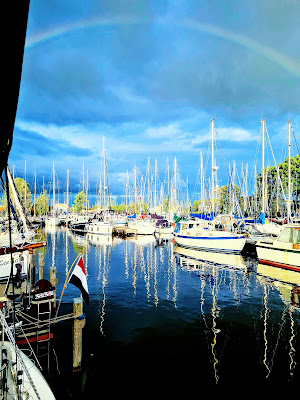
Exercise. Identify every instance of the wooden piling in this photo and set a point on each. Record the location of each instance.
(30, 270)
(33, 276)
(53, 281)
(41, 265)
(78, 324)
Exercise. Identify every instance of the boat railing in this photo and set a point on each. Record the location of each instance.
(17, 351)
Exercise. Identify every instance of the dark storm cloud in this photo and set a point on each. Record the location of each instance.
(27, 142)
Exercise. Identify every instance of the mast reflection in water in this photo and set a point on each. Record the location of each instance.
(167, 313)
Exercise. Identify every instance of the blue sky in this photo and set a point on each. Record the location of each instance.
(149, 76)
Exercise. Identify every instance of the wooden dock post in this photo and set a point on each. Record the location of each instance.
(33, 266)
(53, 281)
(78, 324)
(41, 265)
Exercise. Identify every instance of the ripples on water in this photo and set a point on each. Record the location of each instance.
(162, 312)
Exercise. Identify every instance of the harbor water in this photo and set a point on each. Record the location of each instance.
(164, 316)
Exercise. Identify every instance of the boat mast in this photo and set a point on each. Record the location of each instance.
(175, 183)
(53, 201)
(187, 195)
(148, 184)
(168, 175)
(25, 191)
(232, 188)
(86, 191)
(67, 190)
(289, 202)
(246, 188)
(263, 166)
(103, 166)
(34, 193)
(155, 179)
(212, 166)
(135, 188)
(126, 191)
(202, 182)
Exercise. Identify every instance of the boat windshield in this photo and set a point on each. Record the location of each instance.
(286, 236)
(297, 236)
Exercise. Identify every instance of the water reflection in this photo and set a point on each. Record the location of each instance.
(141, 285)
(287, 284)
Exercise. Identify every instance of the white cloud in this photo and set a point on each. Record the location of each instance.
(163, 131)
(75, 135)
(236, 134)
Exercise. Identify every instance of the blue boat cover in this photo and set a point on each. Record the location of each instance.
(207, 217)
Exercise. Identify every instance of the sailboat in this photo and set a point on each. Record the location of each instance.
(205, 237)
(21, 262)
(138, 226)
(284, 251)
(23, 237)
(53, 219)
(266, 227)
(102, 224)
(21, 378)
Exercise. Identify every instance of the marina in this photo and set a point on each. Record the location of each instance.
(154, 305)
(107, 290)
(149, 198)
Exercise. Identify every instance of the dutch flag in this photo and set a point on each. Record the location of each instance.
(78, 278)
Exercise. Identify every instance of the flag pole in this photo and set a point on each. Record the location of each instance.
(66, 282)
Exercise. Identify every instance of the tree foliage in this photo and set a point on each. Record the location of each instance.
(42, 204)
(24, 195)
(79, 202)
(275, 199)
(229, 201)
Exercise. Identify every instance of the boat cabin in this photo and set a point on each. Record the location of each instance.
(290, 234)
(190, 224)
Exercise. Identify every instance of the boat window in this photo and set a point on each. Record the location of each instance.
(286, 236)
(297, 236)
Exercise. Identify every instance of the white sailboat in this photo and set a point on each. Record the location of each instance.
(266, 227)
(100, 227)
(21, 261)
(205, 237)
(284, 251)
(53, 220)
(23, 379)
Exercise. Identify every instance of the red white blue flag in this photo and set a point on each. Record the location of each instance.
(78, 278)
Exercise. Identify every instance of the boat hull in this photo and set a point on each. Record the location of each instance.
(5, 264)
(27, 391)
(164, 231)
(100, 228)
(52, 221)
(278, 257)
(224, 244)
(141, 229)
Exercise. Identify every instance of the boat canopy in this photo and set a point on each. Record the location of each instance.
(132, 216)
(206, 217)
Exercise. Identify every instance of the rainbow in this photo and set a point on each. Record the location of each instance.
(285, 62)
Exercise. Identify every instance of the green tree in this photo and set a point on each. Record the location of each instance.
(273, 186)
(196, 205)
(42, 204)
(166, 203)
(24, 195)
(227, 199)
(79, 202)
